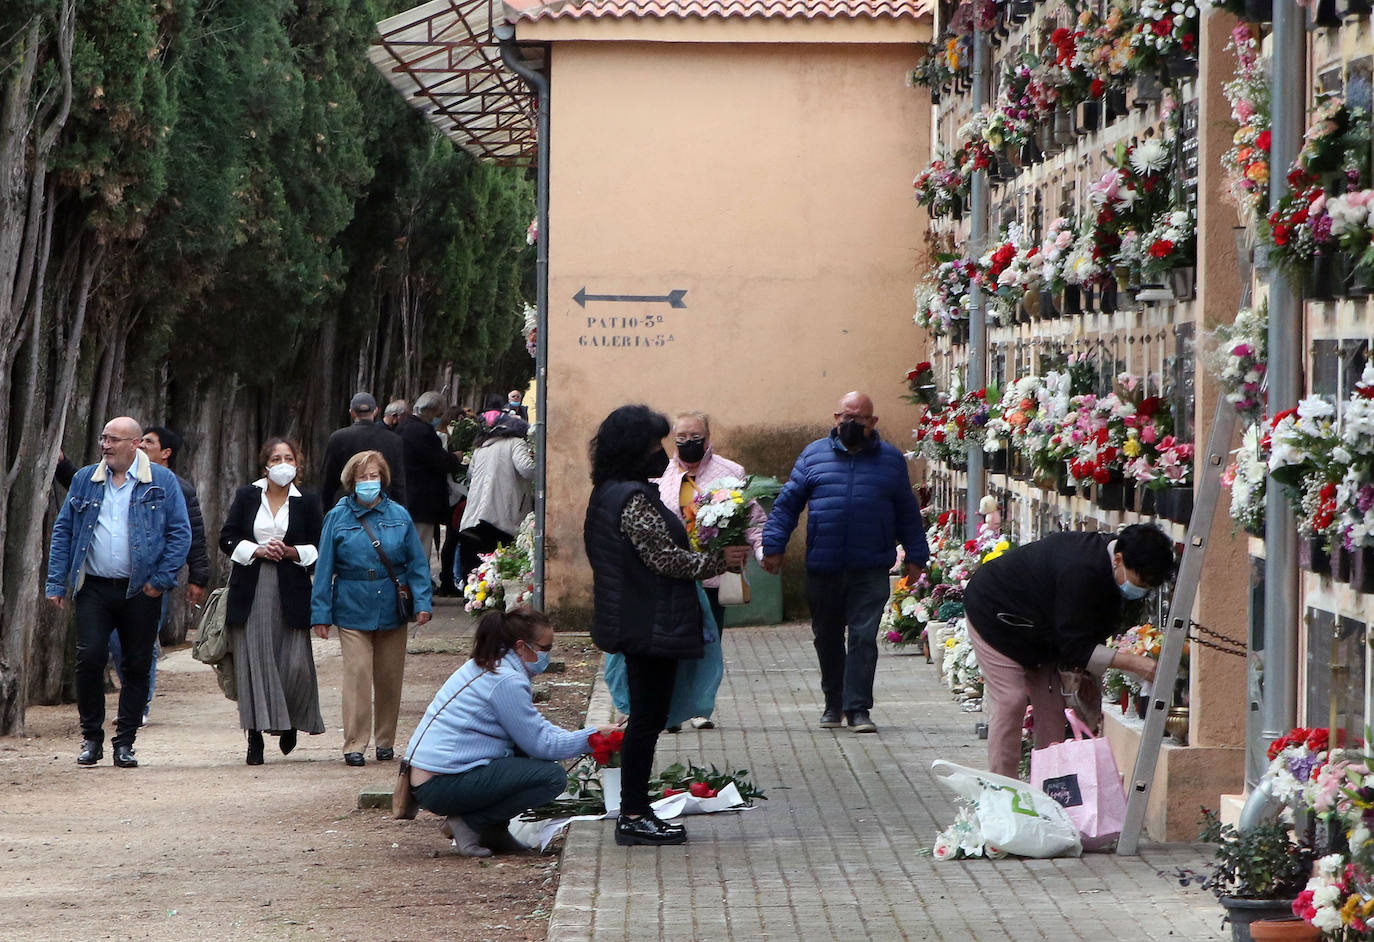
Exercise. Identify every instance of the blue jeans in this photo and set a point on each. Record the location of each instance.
(117, 654)
(853, 598)
(490, 795)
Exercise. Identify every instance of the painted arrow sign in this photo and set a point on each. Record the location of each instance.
(672, 298)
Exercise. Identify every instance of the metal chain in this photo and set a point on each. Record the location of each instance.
(1223, 643)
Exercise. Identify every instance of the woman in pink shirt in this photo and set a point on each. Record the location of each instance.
(692, 467)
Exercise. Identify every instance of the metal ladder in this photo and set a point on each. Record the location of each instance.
(1180, 618)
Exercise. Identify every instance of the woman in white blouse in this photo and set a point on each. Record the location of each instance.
(272, 533)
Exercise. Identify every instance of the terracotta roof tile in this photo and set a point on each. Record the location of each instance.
(701, 9)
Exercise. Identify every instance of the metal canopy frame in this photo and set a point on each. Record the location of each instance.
(443, 58)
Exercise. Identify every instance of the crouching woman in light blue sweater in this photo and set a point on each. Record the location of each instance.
(483, 754)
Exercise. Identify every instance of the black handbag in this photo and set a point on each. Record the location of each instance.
(405, 602)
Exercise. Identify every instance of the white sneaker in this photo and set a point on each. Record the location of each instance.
(702, 722)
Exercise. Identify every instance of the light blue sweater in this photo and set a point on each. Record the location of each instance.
(492, 716)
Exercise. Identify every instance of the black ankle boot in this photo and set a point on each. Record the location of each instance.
(254, 747)
(288, 742)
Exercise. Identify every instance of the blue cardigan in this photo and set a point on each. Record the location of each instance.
(487, 719)
(859, 507)
(352, 589)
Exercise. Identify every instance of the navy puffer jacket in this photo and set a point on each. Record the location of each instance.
(859, 507)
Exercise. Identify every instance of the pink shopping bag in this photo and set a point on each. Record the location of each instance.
(1081, 775)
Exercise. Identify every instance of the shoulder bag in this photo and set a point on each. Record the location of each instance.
(405, 602)
(403, 804)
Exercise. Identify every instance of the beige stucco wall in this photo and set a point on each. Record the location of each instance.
(771, 182)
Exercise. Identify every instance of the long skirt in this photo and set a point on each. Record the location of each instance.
(274, 666)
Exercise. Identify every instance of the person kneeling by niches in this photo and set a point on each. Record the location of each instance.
(1047, 608)
(482, 753)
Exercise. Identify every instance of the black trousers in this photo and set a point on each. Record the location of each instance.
(650, 680)
(481, 539)
(101, 609)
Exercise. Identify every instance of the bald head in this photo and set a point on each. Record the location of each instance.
(119, 442)
(854, 420)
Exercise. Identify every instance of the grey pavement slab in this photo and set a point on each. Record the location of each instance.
(840, 848)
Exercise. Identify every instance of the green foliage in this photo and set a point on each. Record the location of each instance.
(1263, 862)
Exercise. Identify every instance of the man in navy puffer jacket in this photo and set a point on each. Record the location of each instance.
(858, 497)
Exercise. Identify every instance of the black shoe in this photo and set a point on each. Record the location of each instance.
(288, 742)
(254, 747)
(647, 829)
(355, 759)
(92, 751)
(124, 757)
(860, 722)
(673, 729)
(830, 718)
(385, 755)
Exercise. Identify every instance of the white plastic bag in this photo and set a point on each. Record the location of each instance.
(1012, 816)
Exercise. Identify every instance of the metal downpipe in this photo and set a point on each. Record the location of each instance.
(977, 316)
(1278, 662)
(539, 84)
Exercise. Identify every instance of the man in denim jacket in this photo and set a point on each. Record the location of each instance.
(118, 543)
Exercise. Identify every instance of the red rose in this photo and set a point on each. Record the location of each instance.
(923, 366)
(1097, 88)
(1262, 142)
(701, 790)
(1102, 476)
(1148, 406)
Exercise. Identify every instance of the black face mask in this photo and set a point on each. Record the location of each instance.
(656, 464)
(692, 450)
(852, 433)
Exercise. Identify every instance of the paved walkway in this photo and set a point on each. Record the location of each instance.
(839, 849)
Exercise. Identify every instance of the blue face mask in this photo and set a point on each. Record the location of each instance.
(538, 665)
(367, 491)
(1132, 591)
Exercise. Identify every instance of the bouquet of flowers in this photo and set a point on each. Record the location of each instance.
(1299, 227)
(486, 587)
(606, 748)
(1163, 29)
(901, 623)
(724, 507)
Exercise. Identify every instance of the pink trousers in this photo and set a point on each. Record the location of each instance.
(1007, 688)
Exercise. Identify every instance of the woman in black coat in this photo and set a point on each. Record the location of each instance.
(645, 596)
(272, 534)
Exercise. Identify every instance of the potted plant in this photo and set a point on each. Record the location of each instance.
(1256, 874)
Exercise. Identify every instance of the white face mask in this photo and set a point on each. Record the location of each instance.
(281, 474)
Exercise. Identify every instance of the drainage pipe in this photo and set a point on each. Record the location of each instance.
(977, 315)
(1278, 694)
(539, 84)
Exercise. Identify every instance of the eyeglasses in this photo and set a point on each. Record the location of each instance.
(537, 647)
(112, 439)
(694, 438)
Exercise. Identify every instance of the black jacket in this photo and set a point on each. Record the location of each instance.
(197, 560)
(347, 442)
(1048, 602)
(428, 465)
(637, 611)
(304, 523)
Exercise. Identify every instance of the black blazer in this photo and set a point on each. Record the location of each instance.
(304, 522)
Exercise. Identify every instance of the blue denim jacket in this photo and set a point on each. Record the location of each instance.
(352, 589)
(159, 529)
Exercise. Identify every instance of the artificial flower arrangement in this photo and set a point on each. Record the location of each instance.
(1339, 897)
(1246, 163)
(1302, 443)
(1239, 359)
(948, 431)
(1008, 272)
(900, 624)
(921, 383)
(1163, 30)
(486, 586)
(724, 508)
(1143, 639)
(1246, 476)
(942, 298)
(1055, 251)
(942, 188)
(1169, 244)
(1127, 198)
